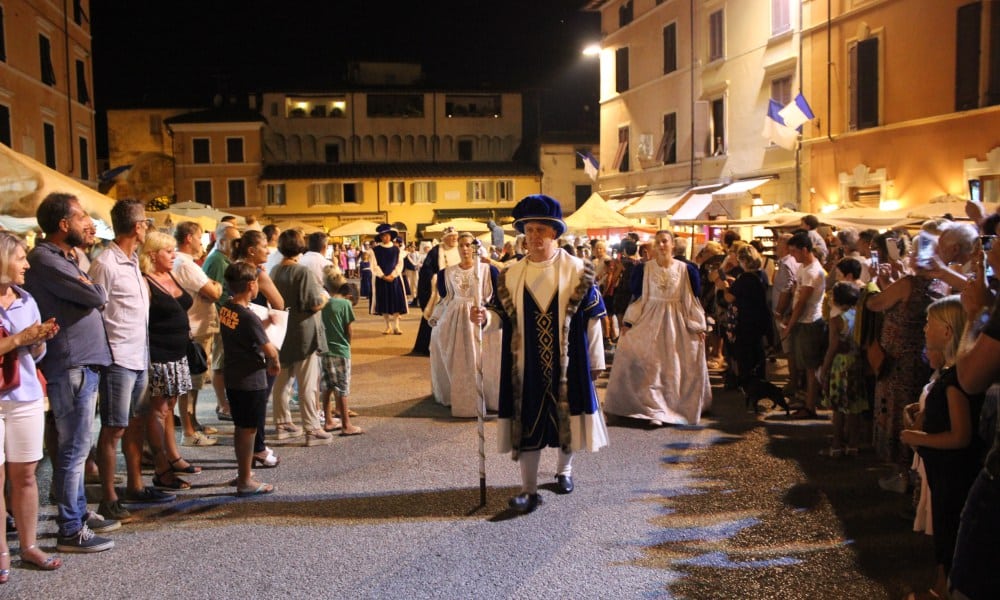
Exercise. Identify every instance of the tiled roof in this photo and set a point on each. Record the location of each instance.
(398, 170)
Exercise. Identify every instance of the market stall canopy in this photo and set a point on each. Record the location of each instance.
(197, 209)
(656, 203)
(596, 214)
(861, 217)
(25, 182)
(460, 225)
(936, 210)
(305, 228)
(698, 207)
(352, 228)
(487, 239)
(168, 219)
(739, 190)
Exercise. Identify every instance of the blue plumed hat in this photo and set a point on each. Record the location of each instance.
(386, 228)
(540, 208)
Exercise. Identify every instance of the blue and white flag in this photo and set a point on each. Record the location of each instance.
(797, 112)
(775, 129)
(590, 165)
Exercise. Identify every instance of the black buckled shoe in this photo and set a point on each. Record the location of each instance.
(564, 483)
(525, 503)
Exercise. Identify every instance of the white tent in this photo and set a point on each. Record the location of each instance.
(25, 182)
(596, 214)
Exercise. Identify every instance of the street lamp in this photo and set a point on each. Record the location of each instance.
(592, 49)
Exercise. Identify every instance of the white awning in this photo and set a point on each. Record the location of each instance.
(656, 202)
(693, 208)
(738, 188)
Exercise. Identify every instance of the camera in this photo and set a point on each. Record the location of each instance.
(925, 250)
(987, 242)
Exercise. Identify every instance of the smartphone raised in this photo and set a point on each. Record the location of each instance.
(925, 250)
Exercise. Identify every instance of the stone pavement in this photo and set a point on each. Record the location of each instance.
(739, 507)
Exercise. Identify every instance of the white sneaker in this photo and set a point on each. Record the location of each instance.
(199, 439)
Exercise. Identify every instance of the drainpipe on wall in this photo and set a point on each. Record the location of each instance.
(69, 90)
(691, 67)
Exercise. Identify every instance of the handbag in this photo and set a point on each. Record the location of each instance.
(197, 359)
(10, 368)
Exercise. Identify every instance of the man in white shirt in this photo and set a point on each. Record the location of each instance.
(315, 258)
(271, 232)
(123, 383)
(202, 318)
(805, 325)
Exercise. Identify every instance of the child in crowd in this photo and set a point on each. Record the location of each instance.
(945, 436)
(337, 315)
(250, 358)
(840, 373)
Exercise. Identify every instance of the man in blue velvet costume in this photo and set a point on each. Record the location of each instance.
(550, 312)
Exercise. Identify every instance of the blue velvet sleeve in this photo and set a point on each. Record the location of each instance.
(635, 281)
(695, 278)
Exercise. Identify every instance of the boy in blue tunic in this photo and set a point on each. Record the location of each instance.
(553, 349)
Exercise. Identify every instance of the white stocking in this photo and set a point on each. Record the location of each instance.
(565, 464)
(529, 470)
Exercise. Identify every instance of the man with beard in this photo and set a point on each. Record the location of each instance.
(65, 292)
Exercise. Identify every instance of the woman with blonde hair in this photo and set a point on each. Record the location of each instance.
(22, 408)
(944, 434)
(169, 375)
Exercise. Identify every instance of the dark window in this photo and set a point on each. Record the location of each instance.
(625, 13)
(202, 151)
(49, 133)
(237, 192)
(472, 105)
(716, 35)
(203, 191)
(667, 153)
(395, 105)
(331, 152)
(621, 70)
(464, 149)
(718, 146)
(5, 124)
(79, 16)
(45, 54)
(234, 150)
(84, 159)
(275, 194)
(82, 94)
(670, 48)
(3, 37)
(352, 193)
(582, 194)
(993, 86)
(967, 57)
(864, 84)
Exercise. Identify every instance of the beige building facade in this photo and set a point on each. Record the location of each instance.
(685, 87)
(46, 85)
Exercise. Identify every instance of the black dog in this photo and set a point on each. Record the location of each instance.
(756, 390)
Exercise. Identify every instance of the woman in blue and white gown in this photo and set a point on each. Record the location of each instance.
(454, 338)
(660, 373)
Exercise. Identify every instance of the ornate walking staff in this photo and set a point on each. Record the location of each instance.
(481, 401)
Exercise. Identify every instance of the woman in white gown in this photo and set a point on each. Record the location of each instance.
(659, 373)
(454, 338)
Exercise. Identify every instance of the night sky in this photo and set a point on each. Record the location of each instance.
(184, 52)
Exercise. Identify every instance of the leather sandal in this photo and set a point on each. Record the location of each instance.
(188, 470)
(176, 484)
